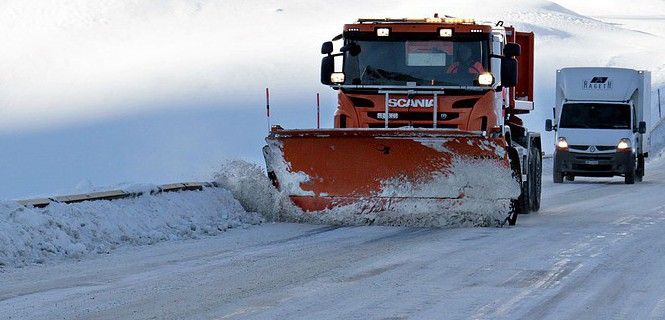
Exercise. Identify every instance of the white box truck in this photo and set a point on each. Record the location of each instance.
(600, 119)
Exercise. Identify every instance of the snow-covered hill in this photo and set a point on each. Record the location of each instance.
(108, 92)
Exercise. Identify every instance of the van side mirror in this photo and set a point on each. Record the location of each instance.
(327, 69)
(548, 125)
(642, 127)
(511, 50)
(327, 47)
(508, 72)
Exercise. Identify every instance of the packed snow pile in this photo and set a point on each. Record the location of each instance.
(251, 187)
(485, 203)
(33, 235)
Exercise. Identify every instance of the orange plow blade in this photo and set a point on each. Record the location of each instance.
(425, 174)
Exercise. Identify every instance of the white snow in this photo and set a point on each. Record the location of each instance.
(33, 235)
(594, 251)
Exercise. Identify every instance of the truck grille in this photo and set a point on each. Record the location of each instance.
(414, 116)
(582, 147)
(395, 124)
(592, 157)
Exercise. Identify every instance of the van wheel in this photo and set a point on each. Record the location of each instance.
(630, 177)
(558, 176)
(640, 168)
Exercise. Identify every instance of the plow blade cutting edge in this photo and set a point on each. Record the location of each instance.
(416, 174)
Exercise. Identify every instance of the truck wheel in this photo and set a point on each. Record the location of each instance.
(516, 205)
(512, 219)
(570, 177)
(640, 168)
(535, 179)
(558, 176)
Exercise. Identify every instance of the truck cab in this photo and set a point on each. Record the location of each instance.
(600, 121)
(450, 73)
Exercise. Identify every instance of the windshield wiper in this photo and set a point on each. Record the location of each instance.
(389, 75)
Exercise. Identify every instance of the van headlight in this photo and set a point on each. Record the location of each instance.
(562, 144)
(623, 145)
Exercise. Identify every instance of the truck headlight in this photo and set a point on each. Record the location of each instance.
(562, 144)
(337, 77)
(623, 145)
(485, 79)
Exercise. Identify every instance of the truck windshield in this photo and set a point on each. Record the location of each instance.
(426, 62)
(595, 116)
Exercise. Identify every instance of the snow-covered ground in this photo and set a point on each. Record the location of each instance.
(595, 251)
(109, 93)
(33, 235)
(162, 91)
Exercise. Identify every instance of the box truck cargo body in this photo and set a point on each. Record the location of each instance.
(601, 118)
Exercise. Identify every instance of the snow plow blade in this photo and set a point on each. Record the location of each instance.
(406, 170)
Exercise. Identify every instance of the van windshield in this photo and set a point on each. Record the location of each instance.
(595, 116)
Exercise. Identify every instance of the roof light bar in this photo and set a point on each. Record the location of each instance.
(412, 20)
(445, 33)
(382, 32)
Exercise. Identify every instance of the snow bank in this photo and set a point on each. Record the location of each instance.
(251, 187)
(32, 235)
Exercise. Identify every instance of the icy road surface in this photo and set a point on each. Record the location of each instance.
(595, 251)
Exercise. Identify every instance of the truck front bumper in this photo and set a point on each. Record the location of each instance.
(593, 165)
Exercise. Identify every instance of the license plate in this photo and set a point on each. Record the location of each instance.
(390, 116)
(591, 162)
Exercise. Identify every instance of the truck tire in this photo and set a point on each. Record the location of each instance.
(516, 205)
(640, 168)
(535, 179)
(512, 218)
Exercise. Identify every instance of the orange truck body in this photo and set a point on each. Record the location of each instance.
(409, 132)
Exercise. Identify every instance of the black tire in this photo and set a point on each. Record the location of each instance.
(535, 179)
(640, 168)
(570, 177)
(512, 218)
(524, 199)
(630, 177)
(516, 205)
(557, 175)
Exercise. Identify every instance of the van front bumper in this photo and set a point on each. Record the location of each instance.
(593, 165)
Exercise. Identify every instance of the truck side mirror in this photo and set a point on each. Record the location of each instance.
(508, 72)
(327, 69)
(548, 125)
(327, 47)
(642, 127)
(511, 50)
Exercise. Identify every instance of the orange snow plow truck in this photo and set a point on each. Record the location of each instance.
(427, 124)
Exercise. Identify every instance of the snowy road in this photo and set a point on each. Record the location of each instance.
(596, 250)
